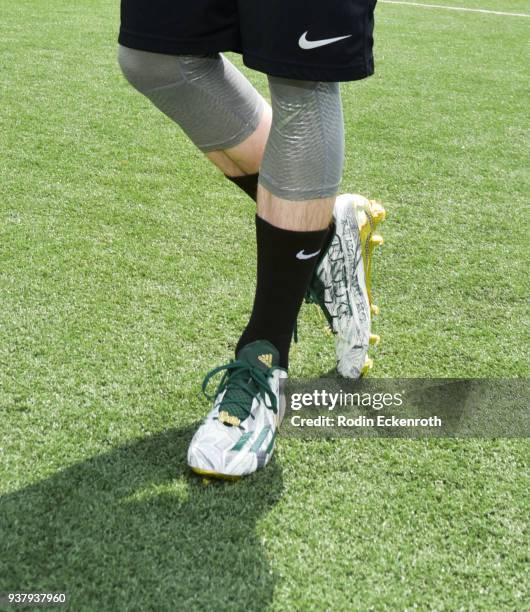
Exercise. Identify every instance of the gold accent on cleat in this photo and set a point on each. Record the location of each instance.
(228, 419)
(368, 365)
(375, 339)
(369, 214)
(207, 475)
(374, 309)
(377, 211)
(266, 359)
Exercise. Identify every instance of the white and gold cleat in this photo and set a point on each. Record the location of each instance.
(342, 282)
(369, 214)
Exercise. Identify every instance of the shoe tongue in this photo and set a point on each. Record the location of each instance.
(261, 354)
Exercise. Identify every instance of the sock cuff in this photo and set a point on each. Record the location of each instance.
(279, 232)
(282, 245)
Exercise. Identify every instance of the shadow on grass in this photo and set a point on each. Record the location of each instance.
(133, 529)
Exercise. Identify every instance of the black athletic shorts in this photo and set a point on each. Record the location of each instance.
(315, 40)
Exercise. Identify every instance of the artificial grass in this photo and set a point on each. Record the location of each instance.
(127, 271)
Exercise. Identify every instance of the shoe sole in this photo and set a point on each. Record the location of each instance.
(369, 215)
(207, 474)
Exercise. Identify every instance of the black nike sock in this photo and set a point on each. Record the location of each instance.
(327, 240)
(248, 183)
(286, 260)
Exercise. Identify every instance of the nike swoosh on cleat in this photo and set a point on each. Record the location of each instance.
(305, 44)
(303, 255)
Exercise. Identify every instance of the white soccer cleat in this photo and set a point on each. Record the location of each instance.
(238, 435)
(341, 283)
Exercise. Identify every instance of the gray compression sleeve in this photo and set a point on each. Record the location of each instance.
(304, 156)
(207, 96)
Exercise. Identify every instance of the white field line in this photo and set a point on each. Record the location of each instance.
(455, 8)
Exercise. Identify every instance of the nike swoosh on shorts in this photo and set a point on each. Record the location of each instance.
(305, 44)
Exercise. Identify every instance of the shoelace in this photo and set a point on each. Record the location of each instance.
(240, 381)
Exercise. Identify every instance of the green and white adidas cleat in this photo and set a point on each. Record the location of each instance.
(238, 435)
(341, 283)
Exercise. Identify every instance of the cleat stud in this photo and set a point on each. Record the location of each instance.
(368, 365)
(375, 309)
(376, 240)
(206, 482)
(377, 211)
(375, 339)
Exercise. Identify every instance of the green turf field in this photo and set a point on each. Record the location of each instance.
(126, 273)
